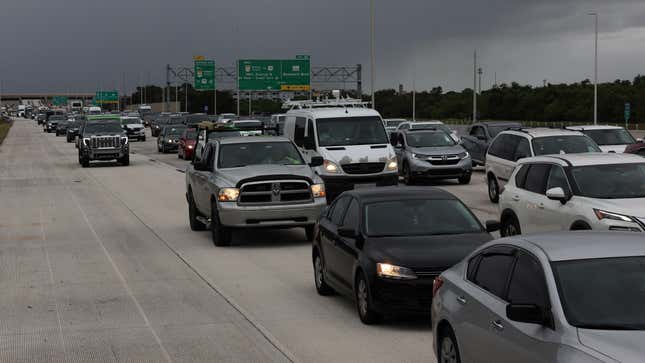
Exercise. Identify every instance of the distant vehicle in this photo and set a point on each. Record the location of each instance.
(384, 246)
(94, 110)
(226, 117)
(103, 138)
(52, 123)
(73, 128)
(529, 300)
(187, 143)
(277, 123)
(609, 138)
(164, 120)
(512, 145)
(168, 139)
(351, 139)
(392, 124)
(76, 105)
(144, 110)
(479, 135)
(41, 117)
(195, 118)
(575, 192)
(253, 182)
(422, 125)
(134, 128)
(207, 131)
(22, 109)
(430, 154)
(61, 128)
(248, 127)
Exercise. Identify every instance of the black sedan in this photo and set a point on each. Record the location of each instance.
(384, 247)
(168, 139)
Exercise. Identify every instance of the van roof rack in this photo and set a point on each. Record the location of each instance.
(326, 103)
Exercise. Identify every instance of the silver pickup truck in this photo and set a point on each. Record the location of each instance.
(253, 182)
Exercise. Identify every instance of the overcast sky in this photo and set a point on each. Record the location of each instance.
(82, 45)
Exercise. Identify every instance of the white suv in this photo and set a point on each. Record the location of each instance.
(600, 191)
(609, 138)
(512, 145)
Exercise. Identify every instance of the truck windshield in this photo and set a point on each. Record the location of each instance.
(342, 131)
(258, 153)
(103, 127)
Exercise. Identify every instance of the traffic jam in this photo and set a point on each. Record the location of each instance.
(558, 276)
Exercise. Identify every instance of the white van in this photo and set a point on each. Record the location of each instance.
(351, 139)
(94, 110)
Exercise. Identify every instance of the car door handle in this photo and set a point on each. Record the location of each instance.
(516, 198)
(541, 205)
(497, 325)
(461, 300)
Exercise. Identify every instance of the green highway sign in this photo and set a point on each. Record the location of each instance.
(274, 75)
(102, 97)
(204, 75)
(59, 100)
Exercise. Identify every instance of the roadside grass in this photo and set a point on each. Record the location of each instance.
(4, 129)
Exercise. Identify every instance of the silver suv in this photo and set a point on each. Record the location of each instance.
(253, 182)
(512, 145)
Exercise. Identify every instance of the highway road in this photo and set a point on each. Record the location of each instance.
(99, 264)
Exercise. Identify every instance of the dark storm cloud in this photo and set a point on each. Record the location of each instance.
(83, 45)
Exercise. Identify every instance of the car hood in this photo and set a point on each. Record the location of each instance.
(352, 154)
(440, 251)
(234, 175)
(634, 207)
(441, 150)
(134, 126)
(613, 148)
(621, 345)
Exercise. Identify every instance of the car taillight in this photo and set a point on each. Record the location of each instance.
(436, 284)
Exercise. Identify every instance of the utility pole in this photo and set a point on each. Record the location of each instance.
(186, 95)
(177, 109)
(237, 86)
(495, 84)
(479, 72)
(372, 54)
(595, 78)
(250, 94)
(475, 87)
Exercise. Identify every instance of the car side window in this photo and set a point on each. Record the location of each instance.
(497, 147)
(520, 177)
(527, 284)
(492, 272)
(477, 131)
(536, 178)
(509, 146)
(523, 149)
(299, 131)
(338, 212)
(352, 215)
(557, 178)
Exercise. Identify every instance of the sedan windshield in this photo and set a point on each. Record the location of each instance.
(616, 300)
(175, 131)
(574, 144)
(610, 136)
(344, 131)
(429, 139)
(616, 181)
(419, 217)
(258, 153)
(103, 127)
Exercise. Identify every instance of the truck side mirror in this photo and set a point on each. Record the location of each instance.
(316, 161)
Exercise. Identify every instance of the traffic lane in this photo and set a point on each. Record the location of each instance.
(84, 279)
(267, 273)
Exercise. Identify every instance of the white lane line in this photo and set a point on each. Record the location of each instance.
(124, 282)
(51, 281)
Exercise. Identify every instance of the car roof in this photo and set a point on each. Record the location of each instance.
(251, 139)
(499, 123)
(334, 112)
(421, 131)
(594, 127)
(563, 246)
(393, 193)
(586, 159)
(542, 132)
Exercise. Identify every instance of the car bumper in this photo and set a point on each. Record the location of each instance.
(425, 169)
(335, 185)
(106, 154)
(188, 152)
(171, 146)
(294, 215)
(402, 296)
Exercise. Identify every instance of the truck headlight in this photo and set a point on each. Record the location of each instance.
(601, 214)
(386, 270)
(331, 167)
(318, 190)
(85, 141)
(228, 194)
(392, 165)
(124, 141)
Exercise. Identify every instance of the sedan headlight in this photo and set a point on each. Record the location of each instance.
(331, 167)
(385, 270)
(318, 190)
(601, 214)
(228, 194)
(392, 165)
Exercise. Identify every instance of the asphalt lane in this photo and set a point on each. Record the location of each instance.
(129, 280)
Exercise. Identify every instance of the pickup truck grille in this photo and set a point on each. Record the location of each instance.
(363, 168)
(275, 192)
(98, 142)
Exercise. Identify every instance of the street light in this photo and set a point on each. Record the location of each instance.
(372, 51)
(595, 79)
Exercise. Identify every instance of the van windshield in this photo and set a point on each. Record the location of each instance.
(342, 131)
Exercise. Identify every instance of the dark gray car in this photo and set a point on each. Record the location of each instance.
(479, 135)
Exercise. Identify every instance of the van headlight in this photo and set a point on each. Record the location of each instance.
(386, 270)
(318, 190)
(331, 167)
(228, 194)
(392, 165)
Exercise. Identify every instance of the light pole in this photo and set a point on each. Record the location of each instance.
(595, 78)
(475, 87)
(372, 51)
(480, 71)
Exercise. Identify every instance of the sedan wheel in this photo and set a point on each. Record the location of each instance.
(493, 189)
(448, 350)
(510, 227)
(363, 302)
(321, 286)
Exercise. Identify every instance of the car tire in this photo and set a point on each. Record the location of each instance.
(319, 277)
(221, 235)
(493, 189)
(143, 139)
(447, 348)
(510, 226)
(363, 300)
(193, 213)
(57, 133)
(408, 179)
(125, 161)
(310, 232)
(465, 179)
(85, 162)
(581, 226)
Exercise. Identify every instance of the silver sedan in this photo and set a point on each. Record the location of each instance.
(562, 297)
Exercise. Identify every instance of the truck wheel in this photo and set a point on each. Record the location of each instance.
(195, 225)
(310, 232)
(143, 138)
(85, 162)
(125, 161)
(221, 235)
